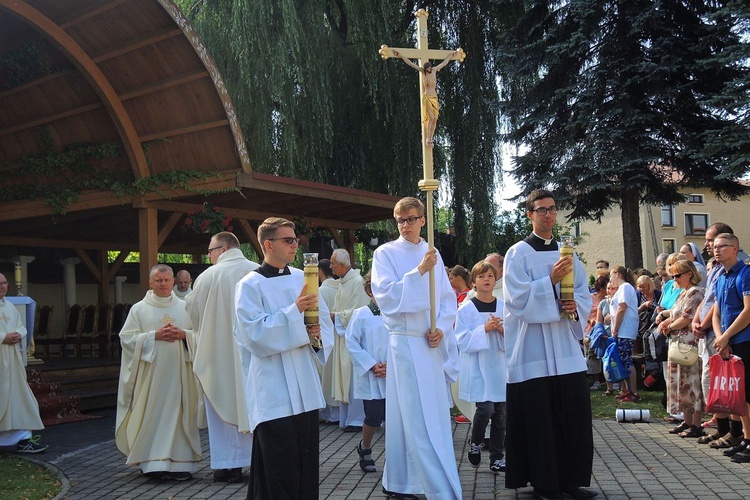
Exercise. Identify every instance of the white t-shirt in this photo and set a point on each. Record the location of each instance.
(629, 326)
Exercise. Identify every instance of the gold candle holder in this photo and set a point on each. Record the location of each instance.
(567, 284)
(19, 278)
(310, 262)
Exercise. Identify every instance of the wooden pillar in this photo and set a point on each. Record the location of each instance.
(148, 244)
(349, 244)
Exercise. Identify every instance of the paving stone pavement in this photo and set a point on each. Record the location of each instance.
(631, 461)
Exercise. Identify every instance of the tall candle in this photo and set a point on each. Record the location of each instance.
(567, 288)
(310, 261)
(19, 277)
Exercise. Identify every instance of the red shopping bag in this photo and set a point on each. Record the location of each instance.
(726, 393)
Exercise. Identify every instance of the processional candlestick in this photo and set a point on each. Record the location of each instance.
(428, 184)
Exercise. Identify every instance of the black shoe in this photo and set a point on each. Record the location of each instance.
(497, 466)
(228, 475)
(579, 492)
(178, 476)
(475, 454)
(390, 494)
(353, 428)
(547, 495)
(741, 457)
(157, 474)
(735, 449)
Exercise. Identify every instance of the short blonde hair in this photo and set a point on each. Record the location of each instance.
(646, 280)
(672, 259)
(405, 204)
(683, 266)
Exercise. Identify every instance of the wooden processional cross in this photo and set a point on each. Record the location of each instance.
(428, 184)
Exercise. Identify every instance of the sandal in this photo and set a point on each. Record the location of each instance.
(710, 438)
(693, 432)
(609, 392)
(366, 463)
(727, 441)
(680, 428)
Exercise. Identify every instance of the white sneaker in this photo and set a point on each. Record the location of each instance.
(595, 387)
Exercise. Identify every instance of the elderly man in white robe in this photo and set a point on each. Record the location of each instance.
(282, 387)
(217, 357)
(158, 395)
(549, 436)
(329, 285)
(182, 286)
(419, 456)
(19, 410)
(350, 296)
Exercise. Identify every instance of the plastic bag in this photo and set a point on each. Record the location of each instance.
(614, 370)
(726, 392)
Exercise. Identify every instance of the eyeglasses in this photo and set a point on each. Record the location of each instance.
(409, 220)
(545, 210)
(288, 240)
(719, 247)
(678, 275)
(214, 248)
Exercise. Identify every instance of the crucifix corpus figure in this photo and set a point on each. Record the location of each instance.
(430, 104)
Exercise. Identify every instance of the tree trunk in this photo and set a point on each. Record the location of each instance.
(631, 229)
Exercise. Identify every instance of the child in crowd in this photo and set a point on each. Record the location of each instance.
(480, 337)
(367, 341)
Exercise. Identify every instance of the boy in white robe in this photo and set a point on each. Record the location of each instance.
(282, 386)
(19, 410)
(484, 373)
(419, 442)
(549, 435)
(367, 341)
(158, 396)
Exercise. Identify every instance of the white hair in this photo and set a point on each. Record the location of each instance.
(342, 257)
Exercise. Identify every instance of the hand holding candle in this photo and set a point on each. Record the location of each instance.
(567, 284)
(310, 261)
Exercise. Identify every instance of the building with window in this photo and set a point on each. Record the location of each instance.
(663, 228)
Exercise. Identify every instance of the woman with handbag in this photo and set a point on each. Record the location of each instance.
(684, 392)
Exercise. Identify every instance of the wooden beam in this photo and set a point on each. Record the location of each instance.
(252, 236)
(137, 43)
(93, 74)
(168, 226)
(116, 265)
(32, 84)
(147, 243)
(184, 130)
(337, 237)
(71, 244)
(238, 213)
(50, 118)
(84, 14)
(349, 243)
(89, 264)
(164, 84)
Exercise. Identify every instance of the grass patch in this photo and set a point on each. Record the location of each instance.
(22, 480)
(605, 406)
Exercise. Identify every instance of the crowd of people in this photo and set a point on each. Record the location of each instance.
(693, 303)
(235, 352)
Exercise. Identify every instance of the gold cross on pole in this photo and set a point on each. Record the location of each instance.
(429, 109)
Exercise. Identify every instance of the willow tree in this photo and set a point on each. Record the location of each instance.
(620, 103)
(317, 102)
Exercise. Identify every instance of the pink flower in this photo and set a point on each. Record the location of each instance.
(188, 221)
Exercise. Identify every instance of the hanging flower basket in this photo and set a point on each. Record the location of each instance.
(209, 220)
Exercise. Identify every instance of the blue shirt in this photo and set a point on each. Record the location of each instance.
(731, 287)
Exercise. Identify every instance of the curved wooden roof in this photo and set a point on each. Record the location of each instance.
(133, 77)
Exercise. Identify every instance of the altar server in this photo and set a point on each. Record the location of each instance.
(217, 356)
(19, 410)
(282, 386)
(484, 374)
(418, 440)
(158, 396)
(549, 436)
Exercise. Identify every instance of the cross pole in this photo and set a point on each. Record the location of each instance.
(428, 184)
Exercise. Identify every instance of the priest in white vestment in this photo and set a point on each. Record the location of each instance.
(282, 387)
(549, 435)
(350, 296)
(158, 395)
(19, 410)
(182, 282)
(217, 358)
(329, 285)
(419, 457)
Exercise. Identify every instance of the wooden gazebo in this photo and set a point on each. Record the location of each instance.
(115, 123)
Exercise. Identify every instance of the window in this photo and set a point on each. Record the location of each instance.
(576, 229)
(667, 216)
(668, 245)
(695, 198)
(696, 224)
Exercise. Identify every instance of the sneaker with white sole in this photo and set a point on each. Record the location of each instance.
(595, 387)
(31, 445)
(498, 466)
(475, 454)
